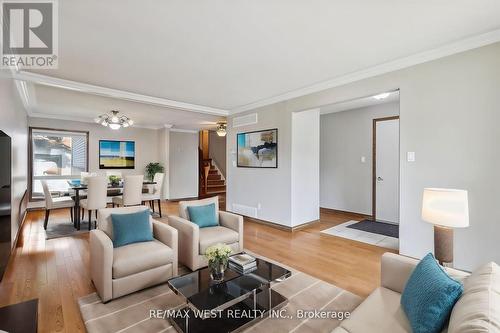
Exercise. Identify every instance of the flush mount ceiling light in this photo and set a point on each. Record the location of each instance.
(221, 128)
(381, 96)
(114, 120)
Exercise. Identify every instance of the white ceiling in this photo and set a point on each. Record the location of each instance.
(359, 103)
(228, 54)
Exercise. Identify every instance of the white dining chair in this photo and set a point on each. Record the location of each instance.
(155, 194)
(132, 192)
(97, 192)
(86, 175)
(55, 203)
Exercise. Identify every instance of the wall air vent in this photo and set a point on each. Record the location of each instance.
(245, 120)
(245, 210)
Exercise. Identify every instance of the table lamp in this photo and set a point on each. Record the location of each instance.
(446, 209)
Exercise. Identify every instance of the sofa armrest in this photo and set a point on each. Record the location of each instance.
(396, 271)
(101, 263)
(168, 236)
(233, 222)
(189, 240)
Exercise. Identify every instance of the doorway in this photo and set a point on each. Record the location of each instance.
(385, 175)
(360, 168)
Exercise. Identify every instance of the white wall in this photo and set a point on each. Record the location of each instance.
(305, 166)
(14, 123)
(346, 182)
(449, 116)
(184, 172)
(268, 189)
(146, 140)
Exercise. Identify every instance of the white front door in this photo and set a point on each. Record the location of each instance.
(387, 170)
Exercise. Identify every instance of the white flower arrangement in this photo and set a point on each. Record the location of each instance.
(218, 252)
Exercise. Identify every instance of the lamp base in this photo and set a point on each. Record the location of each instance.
(443, 245)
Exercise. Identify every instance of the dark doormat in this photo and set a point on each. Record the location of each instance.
(375, 227)
(58, 230)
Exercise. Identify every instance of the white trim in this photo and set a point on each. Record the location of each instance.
(391, 66)
(183, 130)
(114, 93)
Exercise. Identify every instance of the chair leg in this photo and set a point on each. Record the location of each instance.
(90, 220)
(159, 206)
(83, 214)
(96, 216)
(152, 204)
(47, 213)
(71, 213)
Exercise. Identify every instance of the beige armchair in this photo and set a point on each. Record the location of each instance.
(120, 271)
(193, 240)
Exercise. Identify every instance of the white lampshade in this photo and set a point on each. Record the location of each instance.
(445, 207)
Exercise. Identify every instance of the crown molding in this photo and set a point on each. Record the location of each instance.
(114, 93)
(34, 114)
(391, 66)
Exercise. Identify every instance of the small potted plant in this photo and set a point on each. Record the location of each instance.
(152, 169)
(217, 256)
(114, 180)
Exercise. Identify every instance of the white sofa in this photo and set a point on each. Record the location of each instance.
(120, 271)
(381, 312)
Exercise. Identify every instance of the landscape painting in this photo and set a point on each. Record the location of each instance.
(258, 149)
(116, 154)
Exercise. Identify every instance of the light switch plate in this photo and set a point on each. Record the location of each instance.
(410, 156)
(363, 159)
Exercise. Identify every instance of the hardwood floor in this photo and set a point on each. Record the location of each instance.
(57, 271)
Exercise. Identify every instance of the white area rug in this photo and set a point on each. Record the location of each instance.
(130, 314)
(341, 230)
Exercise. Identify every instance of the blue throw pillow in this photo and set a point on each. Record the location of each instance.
(429, 296)
(131, 228)
(203, 216)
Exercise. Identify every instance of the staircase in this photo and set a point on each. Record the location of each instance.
(212, 182)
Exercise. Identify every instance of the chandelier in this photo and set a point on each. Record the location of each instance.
(221, 128)
(114, 120)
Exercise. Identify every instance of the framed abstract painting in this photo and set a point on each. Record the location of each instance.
(258, 149)
(116, 154)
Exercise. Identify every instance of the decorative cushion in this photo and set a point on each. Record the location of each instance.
(183, 205)
(203, 216)
(478, 310)
(429, 296)
(140, 257)
(105, 224)
(131, 228)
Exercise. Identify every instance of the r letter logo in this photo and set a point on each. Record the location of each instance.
(29, 34)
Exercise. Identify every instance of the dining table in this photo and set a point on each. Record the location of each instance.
(78, 186)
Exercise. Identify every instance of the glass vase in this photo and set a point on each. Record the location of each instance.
(217, 268)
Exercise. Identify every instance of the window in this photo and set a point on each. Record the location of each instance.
(56, 156)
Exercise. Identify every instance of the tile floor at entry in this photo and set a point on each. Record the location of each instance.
(343, 231)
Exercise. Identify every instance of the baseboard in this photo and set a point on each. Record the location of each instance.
(337, 211)
(276, 225)
(183, 199)
(304, 225)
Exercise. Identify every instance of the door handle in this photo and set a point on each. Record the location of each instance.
(380, 179)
